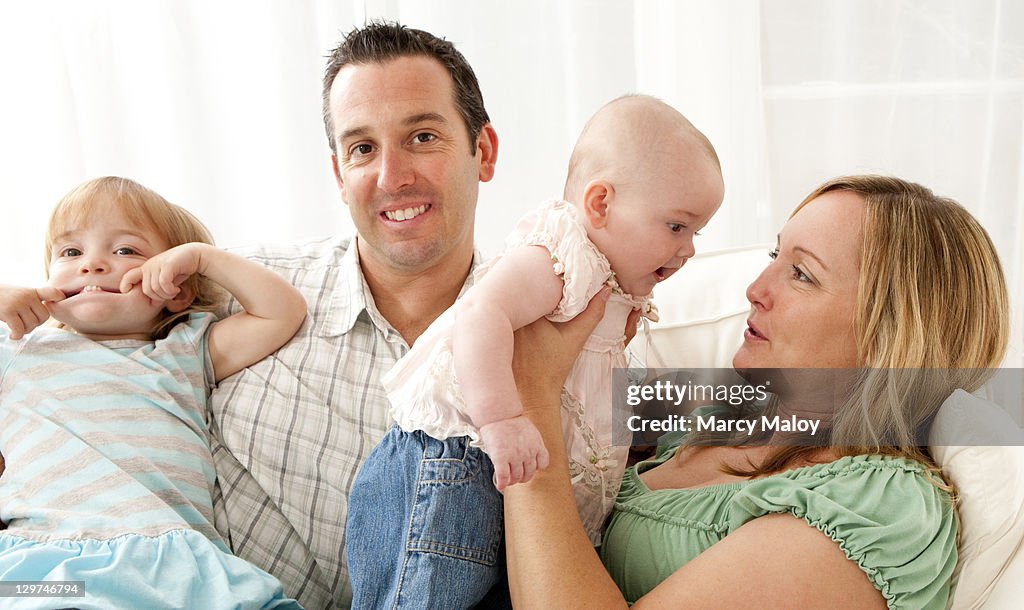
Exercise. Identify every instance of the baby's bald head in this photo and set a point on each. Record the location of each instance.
(645, 181)
(629, 138)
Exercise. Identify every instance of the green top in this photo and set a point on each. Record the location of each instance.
(883, 511)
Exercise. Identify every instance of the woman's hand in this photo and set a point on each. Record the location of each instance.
(551, 563)
(632, 324)
(545, 352)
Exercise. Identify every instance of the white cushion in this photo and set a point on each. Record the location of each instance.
(703, 314)
(990, 481)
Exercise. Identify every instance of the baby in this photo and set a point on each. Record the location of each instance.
(103, 420)
(425, 520)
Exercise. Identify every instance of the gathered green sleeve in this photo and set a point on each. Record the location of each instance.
(886, 515)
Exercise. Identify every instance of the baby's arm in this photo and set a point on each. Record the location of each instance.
(23, 309)
(273, 308)
(520, 288)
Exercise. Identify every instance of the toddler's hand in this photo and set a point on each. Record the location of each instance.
(516, 449)
(24, 309)
(160, 277)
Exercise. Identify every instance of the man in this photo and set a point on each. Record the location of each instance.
(410, 143)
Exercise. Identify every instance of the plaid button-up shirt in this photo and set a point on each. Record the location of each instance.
(290, 432)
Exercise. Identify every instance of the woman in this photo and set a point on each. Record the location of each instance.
(870, 272)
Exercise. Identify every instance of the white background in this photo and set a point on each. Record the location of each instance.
(216, 104)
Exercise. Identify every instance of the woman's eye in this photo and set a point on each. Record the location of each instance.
(71, 252)
(125, 251)
(799, 275)
(773, 254)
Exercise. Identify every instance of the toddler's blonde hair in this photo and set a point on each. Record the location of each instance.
(144, 208)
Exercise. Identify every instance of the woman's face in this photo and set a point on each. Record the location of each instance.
(802, 305)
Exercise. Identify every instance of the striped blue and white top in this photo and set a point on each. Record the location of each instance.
(103, 439)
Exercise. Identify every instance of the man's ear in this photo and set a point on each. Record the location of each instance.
(337, 177)
(182, 301)
(487, 147)
(597, 195)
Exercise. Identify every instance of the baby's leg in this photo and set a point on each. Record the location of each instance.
(425, 525)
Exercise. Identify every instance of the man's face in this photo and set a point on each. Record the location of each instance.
(404, 162)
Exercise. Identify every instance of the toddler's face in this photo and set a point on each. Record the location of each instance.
(87, 263)
(651, 223)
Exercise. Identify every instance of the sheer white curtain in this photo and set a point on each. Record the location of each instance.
(929, 90)
(216, 104)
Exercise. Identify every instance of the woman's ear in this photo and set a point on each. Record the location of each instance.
(182, 301)
(597, 195)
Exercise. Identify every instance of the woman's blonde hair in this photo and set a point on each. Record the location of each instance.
(144, 208)
(932, 310)
(932, 315)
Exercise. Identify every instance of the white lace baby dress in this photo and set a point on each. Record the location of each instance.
(424, 391)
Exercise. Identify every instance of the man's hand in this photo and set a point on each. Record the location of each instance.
(24, 309)
(515, 448)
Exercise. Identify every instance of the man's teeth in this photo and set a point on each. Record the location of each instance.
(407, 213)
(94, 288)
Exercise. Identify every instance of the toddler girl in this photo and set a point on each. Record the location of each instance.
(108, 472)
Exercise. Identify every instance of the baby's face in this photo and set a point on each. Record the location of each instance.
(87, 263)
(651, 223)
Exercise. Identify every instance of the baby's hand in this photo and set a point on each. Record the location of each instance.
(161, 276)
(23, 309)
(516, 449)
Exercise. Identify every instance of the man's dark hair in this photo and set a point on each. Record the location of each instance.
(379, 42)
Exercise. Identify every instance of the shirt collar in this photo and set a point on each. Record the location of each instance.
(352, 297)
